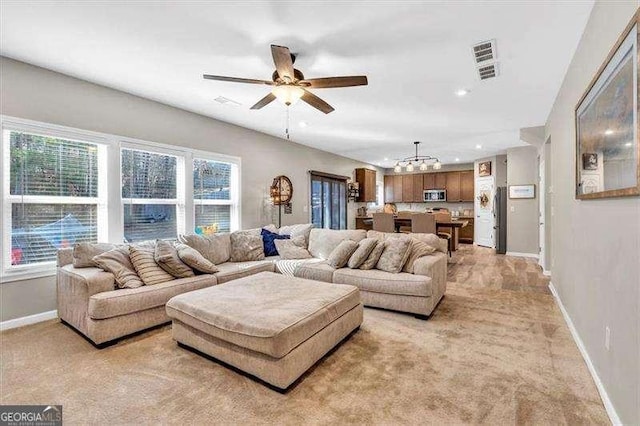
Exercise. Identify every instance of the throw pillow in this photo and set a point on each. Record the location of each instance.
(166, 256)
(83, 253)
(148, 270)
(118, 263)
(292, 248)
(246, 247)
(374, 256)
(268, 242)
(418, 250)
(341, 254)
(195, 260)
(303, 229)
(215, 248)
(365, 247)
(395, 255)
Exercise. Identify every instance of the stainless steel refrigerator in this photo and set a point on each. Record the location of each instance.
(500, 219)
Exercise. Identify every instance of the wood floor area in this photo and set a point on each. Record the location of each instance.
(479, 267)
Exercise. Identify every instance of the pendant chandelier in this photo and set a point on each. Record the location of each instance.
(420, 161)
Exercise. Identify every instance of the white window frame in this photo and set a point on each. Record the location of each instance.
(234, 190)
(10, 272)
(110, 201)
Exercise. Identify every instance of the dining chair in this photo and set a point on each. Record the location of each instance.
(383, 222)
(423, 223)
(405, 215)
(447, 233)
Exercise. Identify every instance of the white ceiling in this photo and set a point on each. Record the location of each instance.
(416, 55)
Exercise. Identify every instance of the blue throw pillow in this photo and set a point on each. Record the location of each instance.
(268, 239)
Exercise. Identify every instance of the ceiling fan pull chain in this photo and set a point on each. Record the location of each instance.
(287, 125)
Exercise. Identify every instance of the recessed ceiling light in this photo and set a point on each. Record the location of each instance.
(386, 159)
(478, 146)
(457, 159)
(628, 144)
(461, 92)
(303, 124)
(608, 132)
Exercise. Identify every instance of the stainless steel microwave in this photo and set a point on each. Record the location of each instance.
(435, 195)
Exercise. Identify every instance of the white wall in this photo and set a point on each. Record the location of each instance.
(37, 94)
(522, 214)
(596, 243)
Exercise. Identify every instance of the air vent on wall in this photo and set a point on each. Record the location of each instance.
(484, 51)
(227, 102)
(488, 71)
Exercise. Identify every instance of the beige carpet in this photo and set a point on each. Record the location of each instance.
(487, 355)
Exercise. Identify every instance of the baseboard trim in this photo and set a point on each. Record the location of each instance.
(517, 254)
(30, 319)
(608, 405)
(546, 273)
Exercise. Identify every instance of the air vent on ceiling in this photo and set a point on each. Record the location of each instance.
(484, 51)
(227, 102)
(488, 71)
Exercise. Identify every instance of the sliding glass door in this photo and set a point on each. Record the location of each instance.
(328, 202)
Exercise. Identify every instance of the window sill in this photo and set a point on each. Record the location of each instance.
(9, 277)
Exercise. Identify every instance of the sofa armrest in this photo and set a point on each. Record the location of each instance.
(434, 266)
(65, 257)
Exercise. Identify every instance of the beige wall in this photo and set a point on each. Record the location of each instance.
(37, 94)
(522, 214)
(596, 243)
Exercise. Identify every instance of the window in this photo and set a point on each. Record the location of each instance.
(51, 196)
(212, 195)
(150, 195)
(328, 201)
(61, 186)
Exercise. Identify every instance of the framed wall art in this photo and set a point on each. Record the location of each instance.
(484, 169)
(606, 120)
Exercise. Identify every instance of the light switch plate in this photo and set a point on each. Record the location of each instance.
(513, 209)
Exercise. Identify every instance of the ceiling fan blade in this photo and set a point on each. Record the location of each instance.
(328, 82)
(316, 102)
(284, 63)
(236, 79)
(264, 101)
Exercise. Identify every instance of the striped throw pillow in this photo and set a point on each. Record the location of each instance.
(146, 267)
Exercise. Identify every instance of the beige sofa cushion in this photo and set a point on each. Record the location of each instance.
(118, 263)
(395, 254)
(431, 239)
(111, 304)
(215, 248)
(195, 260)
(233, 270)
(301, 230)
(83, 253)
(323, 241)
(373, 257)
(341, 254)
(145, 265)
(320, 271)
(167, 257)
(267, 313)
(365, 247)
(418, 250)
(293, 248)
(385, 282)
(246, 246)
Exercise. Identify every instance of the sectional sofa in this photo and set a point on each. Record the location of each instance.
(89, 302)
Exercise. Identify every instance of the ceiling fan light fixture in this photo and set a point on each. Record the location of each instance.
(424, 166)
(287, 94)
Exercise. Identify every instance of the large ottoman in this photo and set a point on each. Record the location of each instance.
(268, 325)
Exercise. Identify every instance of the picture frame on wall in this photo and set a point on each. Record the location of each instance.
(607, 162)
(484, 169)
(522, 191)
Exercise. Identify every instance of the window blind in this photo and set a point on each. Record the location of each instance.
(212, 195)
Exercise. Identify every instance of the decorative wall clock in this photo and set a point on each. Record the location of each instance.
(281, 190)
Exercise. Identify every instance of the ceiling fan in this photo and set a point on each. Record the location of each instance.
(290, 84)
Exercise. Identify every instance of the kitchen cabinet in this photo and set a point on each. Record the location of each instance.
(407, 189)
(467, 186)
(440, 180)
(397, 188)
(429, 181)
(388, 188)
(366, 179)
(418, 188)
(466, 232)
(453, 187)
